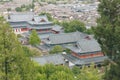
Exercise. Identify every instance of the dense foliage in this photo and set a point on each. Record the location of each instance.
(91, 73)
(108, 29)
(14, 65)
(31, 52)
(108, 35)
(24, 8)
(56, 49)
(34, 39)
(52, 72)
(72, 26)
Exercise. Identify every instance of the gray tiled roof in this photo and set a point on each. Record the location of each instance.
(25, 19)
(40, 23)
(85, 46)
(17, 17)
(39, 18)
(18, 24)
(88, 45)
(44, 35)
(86, 61)
(57, 28)
(55, 59)
(65, 37)
(42, 27)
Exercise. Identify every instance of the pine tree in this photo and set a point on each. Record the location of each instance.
(14, 65)
(108, 35)
(34, 39)
(108, 28)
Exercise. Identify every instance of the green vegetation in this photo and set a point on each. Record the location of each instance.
(31, 52)
(72, 26)
(56, 49)
(76, 70)
(49, 16)
(34, 39)
(107, 31)
(89, 31)
(69, 26)
(67, 51)
(51, 72)
(89, 74)
(14, 65)
(108, 35)
(24, 8)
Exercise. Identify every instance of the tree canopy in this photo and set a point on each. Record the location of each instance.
(56, 49)
(108, 35)
(52, 72)
(14, 65)
(72, 26)
(90, 73)
(107, 31)
(34, 39)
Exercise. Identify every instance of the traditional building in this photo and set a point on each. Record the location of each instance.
(19, 21)
(40, 24)
(85, 52)
(64, 39)
(84, 48)
(25, 22)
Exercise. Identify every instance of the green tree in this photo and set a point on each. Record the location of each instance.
(76, 70)
(56, 49)
(52, 72)
(107, 34)
(14, 65)
(72, 26)
(31, 52)
(90, 73)
(112, 72)
(61, 75)
(89, 31)
(49, 16)
(18, 9)
(34, 39)
(107, 31)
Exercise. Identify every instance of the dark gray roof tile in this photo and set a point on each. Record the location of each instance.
(65, 37)
(55, 59)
